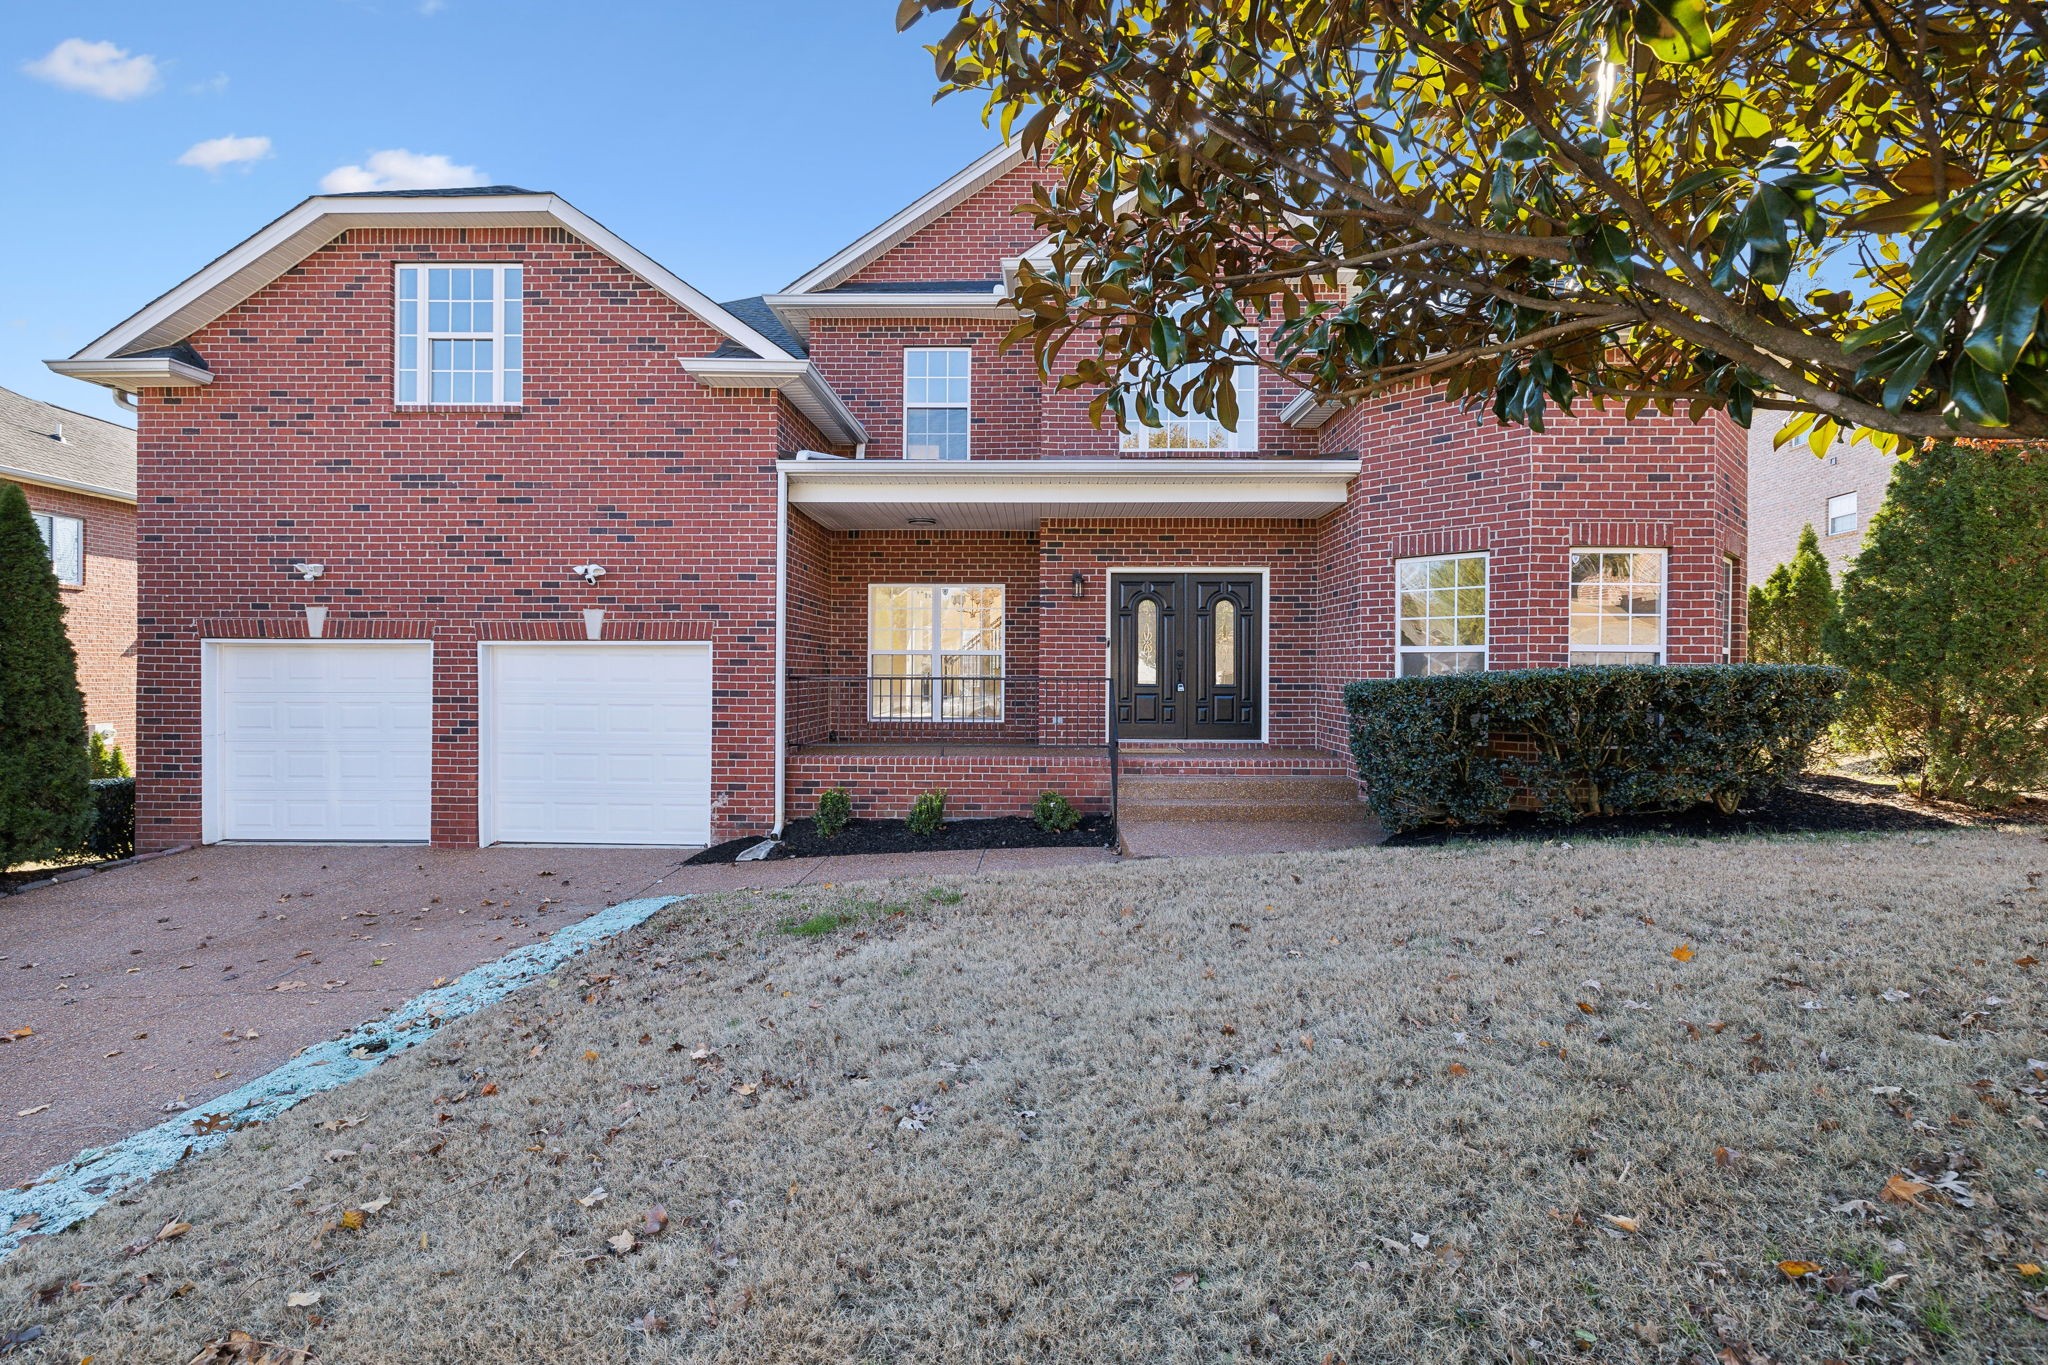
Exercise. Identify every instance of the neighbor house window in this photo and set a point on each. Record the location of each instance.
(461, 335)
(65, 537)
(1198, 431)
(1440, 615)
(935, 652)
(1841, 514)
(935, 402)
(1617, 607)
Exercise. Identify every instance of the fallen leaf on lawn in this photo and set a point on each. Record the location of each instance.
(589, 1055)
(1185, 1280)
(1792, 1270)
(1901, 1190)
(655, 1220)
(623, 1243)
(744, 1087)
(1625, 1224)
(1683, 952)
(338, 1153)
(490, 1088)
(1460, 1069)
(353, 1219)
(174, 1228)
(375, 1204)
(2029, 1269)
(26, 1113)
(1585, 1008)
(650, 1324)
(16, 1035)
(597, 1196)
(1725, 1156)
(305, 1298)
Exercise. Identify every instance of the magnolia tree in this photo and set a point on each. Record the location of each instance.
(1828, 207)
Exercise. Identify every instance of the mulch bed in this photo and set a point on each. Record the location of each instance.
(1817, 803)
(802, 840)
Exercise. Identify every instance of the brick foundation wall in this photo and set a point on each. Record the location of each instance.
(99, 615)
(983, 785)
(460, 523)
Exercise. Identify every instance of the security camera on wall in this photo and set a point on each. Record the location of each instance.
(309, 572)
(589, 573)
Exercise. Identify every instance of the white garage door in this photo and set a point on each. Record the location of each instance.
(597, 744)
(321, 742)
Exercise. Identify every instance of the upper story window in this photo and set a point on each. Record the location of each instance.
(935, 409)
(66, 538)
(1841, 514)
(1199, 431)
(1440, 615)
(461, 335)
(1617, 607)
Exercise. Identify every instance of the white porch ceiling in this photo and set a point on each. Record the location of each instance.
(1008, 495)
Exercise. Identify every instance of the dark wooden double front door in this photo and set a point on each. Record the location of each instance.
(1185, 654)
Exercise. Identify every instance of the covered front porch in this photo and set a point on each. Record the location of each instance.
(1006, 628)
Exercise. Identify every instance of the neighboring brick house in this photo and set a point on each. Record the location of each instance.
(1791, 488)
(463, 520)
(79, 475)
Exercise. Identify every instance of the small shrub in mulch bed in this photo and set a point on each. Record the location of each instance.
(1813, 804)
(802, 840)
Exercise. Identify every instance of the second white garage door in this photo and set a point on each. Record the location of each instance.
(597, 743)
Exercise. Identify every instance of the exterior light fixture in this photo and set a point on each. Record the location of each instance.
(589, 573)
(924, 521)
(1080, 586)
(308, 572)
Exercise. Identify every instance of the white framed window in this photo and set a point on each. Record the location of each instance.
(461, 335)
(1617, 606)
(1440, 615)
(935, 651)
(1200, 431)
(1841, 514)
(935, 403)
(65, 537)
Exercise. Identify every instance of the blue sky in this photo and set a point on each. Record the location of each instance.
(736, 143)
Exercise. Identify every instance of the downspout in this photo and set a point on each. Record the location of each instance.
(781, 639)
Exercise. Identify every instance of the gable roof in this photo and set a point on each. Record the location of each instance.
(42, 443)
(985, 171)
(258, 260)
(756, 313)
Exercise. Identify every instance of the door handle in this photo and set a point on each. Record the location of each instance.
(1180, 687)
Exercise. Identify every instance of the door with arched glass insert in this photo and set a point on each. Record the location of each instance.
(1186, 654)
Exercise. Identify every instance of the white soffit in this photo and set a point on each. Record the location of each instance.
(796, 380)
(990, 495)
(262, 258)
(986, 170)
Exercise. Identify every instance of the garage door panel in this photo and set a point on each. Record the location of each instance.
(328, 741)
(599, 743)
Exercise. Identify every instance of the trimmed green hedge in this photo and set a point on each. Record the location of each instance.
(1458, 749)
(113, 818)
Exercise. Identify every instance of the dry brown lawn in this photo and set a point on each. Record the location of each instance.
(1391, 1105)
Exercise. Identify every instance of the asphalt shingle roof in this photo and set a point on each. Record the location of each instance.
(94, 452)
(759, 316)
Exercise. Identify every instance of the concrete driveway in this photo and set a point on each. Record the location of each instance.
(155, 987)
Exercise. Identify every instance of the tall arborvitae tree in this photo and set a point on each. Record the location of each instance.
(1944, 623)
(45, 799)
(1790, 614)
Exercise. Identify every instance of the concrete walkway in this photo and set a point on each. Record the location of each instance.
(155, 987)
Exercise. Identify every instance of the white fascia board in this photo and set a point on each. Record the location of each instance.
(799, 379)
(276, 248)
(1307, 412)
(797, 310)
(13, 475)
(1123, 482)
(132, 374)
(986, 169)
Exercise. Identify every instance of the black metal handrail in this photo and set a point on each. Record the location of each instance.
(1050, 710)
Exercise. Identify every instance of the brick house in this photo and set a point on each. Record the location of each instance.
(465, 521)
(79, 475)
(1791, 488)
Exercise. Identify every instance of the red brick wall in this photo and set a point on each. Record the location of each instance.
(456, 525)
(882, 785)
(99, 615)
(971, 240)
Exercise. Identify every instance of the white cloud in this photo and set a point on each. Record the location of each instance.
(97, 69)
(217, 152)
(397, 169)
(430, 8)
(212, 85)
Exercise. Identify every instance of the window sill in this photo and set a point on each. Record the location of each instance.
(418, 409)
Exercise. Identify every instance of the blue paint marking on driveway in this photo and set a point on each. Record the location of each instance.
(65, 1194)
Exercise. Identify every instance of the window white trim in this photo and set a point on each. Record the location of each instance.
(72, 537)
(507, 372)
(1484, 649)
(1574, 652)
(1842, 507)
(1176, 432)
(965, 405)
(936, 654)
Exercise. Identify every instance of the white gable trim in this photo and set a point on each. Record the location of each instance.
(796, 380)
(262, 258)
(985, 171)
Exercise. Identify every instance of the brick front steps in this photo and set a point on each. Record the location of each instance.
(1277, 798)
